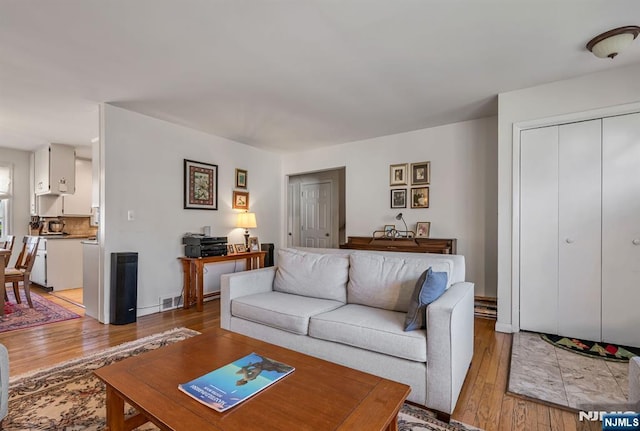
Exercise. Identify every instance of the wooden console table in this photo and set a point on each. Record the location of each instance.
(193, 270)
(413, 245)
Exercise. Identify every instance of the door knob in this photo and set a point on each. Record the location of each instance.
(636, 241)
(568, 240)
(326, 234)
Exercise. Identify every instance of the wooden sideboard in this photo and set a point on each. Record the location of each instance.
(413, 245)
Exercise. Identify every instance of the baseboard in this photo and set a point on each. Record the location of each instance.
(503, 327)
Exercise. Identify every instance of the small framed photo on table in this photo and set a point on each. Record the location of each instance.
(422, 229)
(240, 248)
(254, 245)
(231, 249)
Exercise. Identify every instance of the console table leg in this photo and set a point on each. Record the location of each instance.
(200, 287)
(186, 287)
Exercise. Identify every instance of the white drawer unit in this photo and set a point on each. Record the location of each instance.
(58, 263)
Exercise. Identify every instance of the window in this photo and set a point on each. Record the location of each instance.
(5, 197)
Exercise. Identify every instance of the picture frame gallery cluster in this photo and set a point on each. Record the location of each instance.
(418, 175)
(201, 187)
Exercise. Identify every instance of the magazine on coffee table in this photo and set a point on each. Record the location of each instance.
(230, 385)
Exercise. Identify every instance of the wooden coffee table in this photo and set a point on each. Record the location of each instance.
(318, 395)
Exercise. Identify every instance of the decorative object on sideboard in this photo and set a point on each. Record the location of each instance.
(420, 197)
(241, 200)
(389, 230)
(420, 173)
(398, 174)
(398, 198)
(422, 229)
(254, 244)
(611, 43)
(200, 185)
(406, 233)
(246, 221)
(240, 248)
(241, 178)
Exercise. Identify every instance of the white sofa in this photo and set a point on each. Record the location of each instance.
(349, 307)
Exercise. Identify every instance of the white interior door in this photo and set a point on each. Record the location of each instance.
(316, 215)
(621, 230)
(539, 230)
(579, 268)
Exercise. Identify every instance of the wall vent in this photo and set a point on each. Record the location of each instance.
(170, 302)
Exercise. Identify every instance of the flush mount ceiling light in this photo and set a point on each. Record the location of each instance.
(610, 43)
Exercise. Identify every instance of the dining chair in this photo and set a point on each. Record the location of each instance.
(8, 246)
(22, 270)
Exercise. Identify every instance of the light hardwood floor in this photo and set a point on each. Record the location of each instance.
(483, 402)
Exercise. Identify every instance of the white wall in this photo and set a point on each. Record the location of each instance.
(20, 200)
(589, 92)
(463, 187)
(142, 164)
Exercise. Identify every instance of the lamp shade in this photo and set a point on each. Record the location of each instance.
(247, 221)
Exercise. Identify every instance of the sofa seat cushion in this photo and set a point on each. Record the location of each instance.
(370, 328)
(312, 274)
(281, 310)
(388, 282)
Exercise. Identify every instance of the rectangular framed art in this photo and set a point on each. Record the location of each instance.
(398, 198)
(420, 173)
(241, 200)
(398, 175)
(240, 248)
(422, 229)
(241, 178)
(419, 197)
(200, 185)
(254, 244)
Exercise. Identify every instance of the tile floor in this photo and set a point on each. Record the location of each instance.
(542, 371)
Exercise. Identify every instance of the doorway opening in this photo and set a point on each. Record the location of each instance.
(316, 209)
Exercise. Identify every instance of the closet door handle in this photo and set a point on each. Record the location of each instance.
(636, 241)
(568, 241)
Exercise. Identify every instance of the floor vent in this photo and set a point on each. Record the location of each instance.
(170, 302)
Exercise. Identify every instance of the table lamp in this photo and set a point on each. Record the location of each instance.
(246, 221)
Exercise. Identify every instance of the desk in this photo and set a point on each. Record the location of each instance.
(4, 261)
(193, 270)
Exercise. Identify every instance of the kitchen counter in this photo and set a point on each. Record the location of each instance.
(70, 236)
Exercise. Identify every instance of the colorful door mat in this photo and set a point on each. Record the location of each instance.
(610, 352)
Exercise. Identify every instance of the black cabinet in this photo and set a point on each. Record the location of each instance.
(124, 288)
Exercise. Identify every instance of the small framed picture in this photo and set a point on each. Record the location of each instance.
(230, 249)
(398, 198)
(420, 197)
(254, 245)
(398, 175)
(422, 229)
(240, 200)
(420, 173)
(241, 178)
(389, 230)
(240, 248)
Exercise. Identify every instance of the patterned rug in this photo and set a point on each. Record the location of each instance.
(69, 397)
(20, 316)
(610, 352)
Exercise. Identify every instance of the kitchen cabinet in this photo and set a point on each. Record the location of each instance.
(54, 170)
(90, 278)
(58, 263)
(78, 204)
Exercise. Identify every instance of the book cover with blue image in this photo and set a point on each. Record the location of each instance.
(227, 386)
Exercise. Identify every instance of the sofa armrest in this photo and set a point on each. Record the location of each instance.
(4, 381)
(449, 345)
(242, 283)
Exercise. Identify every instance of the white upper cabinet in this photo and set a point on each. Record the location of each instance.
(54, 170)
(79, 203)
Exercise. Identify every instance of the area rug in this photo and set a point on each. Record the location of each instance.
(20, 316)
(610, 352)
(545, 372)
(69, 397)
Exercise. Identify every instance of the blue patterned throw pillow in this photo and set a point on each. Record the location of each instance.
(428, 288)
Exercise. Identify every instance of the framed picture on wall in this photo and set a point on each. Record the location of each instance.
(420, 197)
(422, 229)
(420, 173)
(241, 200)
(241, 179)
(398, 175)
(398, 198)
(200, 185)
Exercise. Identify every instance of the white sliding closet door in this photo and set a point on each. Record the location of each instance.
(579, 230)
(621, 230)
(539, 230)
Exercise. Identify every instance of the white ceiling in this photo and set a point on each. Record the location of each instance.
(286, 74)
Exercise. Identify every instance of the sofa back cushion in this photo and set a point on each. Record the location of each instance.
(388, 282)
(312, 274)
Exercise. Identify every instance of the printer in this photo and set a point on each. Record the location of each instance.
(199, 245)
